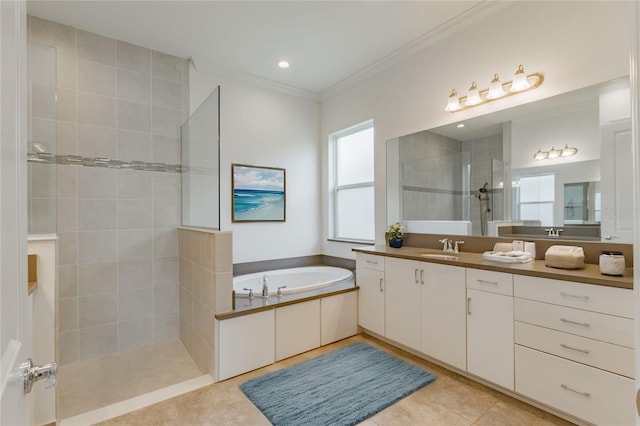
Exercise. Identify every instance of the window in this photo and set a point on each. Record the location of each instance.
(533, 199)
(351, 175)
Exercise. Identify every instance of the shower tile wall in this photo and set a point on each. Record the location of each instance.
(431, 177)
(117, 228)
(481, 152)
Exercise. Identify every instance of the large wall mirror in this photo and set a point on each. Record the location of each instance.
(480, 177)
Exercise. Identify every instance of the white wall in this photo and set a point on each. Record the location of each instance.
(573, 44)
(265, 128)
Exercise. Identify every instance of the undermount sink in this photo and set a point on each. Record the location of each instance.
(439, 256)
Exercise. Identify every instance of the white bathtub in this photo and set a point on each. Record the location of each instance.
(295, 280)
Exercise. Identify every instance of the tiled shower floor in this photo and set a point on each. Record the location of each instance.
(87, 385)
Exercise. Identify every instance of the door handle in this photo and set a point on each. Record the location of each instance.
(32, 373)
(380, 285)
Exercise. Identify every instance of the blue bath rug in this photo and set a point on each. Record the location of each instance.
(343, 387)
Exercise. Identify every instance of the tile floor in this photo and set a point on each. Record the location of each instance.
(450, 400)
(94, 383)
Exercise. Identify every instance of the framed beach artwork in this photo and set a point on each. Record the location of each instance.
(258, 194)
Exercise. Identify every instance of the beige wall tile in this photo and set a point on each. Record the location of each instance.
(96, 78)
(96, 48)
(134, 274)
(135, 244)
(223, 291)
(96, 110)
(166, 121)
(134, 304)
(96, 215)
(165, 242)
(134, 116)
(223, 251)
(67, 347)
(42, 219)
(167, 327)
(133, 58)
(97, 278)
(98, 341)
(166, 66)
(66, 71)
(97, 309)
(68, 314)
(96, 246)
(50, 33)
(166, 186)
(66, 138)
(165, 271)
(67, 248)
(68, 281)
(134, 86)
(66, 181)
(134, 184)
(134, 145)
(67, 215)
(135, 333)
(43, 101)
(166, 299)
(167, 93)
(134, 214)
(94, 182)
(66, 105)
(166, 149)
(166, 214)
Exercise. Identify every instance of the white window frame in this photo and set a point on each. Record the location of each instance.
(334, 188)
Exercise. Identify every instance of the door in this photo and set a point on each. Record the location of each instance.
(616, 163)
(15, 312)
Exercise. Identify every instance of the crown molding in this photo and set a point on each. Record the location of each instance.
(253, 80)
(451, 26)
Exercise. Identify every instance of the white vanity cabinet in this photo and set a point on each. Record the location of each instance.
(403, 294)
(442, 317)
(490, 326)
(425, 308)
(575, 348)
(371, 304)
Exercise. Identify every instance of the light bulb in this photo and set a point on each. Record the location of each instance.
(540, 155)
(495, 88)
(473, 97)
(553, 153)
(568, 152)
(453, 104)
(519, 82)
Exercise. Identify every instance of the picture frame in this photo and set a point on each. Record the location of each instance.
(258, 194)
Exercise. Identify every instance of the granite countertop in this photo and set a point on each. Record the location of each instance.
(589, 274)
(245, 306)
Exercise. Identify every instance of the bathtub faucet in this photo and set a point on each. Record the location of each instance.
(265, 287)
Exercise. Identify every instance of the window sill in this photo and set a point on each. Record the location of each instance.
(337, 240)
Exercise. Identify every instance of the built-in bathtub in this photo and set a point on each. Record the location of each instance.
(293, 280)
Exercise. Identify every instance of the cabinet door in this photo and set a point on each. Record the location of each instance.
(338, 317)
(402, 301)
(371, 300)
(490, 337)
(297, 328)
(443, 317)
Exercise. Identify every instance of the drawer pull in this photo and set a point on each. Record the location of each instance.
(380, 285)
(468, 306)
(372, 262)
(415, 274)
(422, 276)
(583, 324)
(585, 394)
(575, 296)
(487, 282)
(584, 351)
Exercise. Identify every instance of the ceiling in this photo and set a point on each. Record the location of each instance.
(328, 43)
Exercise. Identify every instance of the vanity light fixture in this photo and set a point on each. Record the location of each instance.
(521, 83)
(567, 151)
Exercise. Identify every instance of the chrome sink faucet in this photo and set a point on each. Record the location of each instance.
(456, 249)
(551, 232)
(265, 286)
(447, 245)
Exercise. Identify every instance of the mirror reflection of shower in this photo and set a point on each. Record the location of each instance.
(485, 209)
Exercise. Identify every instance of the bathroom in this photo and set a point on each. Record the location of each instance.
(288, 132)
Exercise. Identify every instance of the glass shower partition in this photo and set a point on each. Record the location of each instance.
(201, 165)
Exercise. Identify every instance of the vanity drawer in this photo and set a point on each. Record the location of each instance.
(594, 395)
(607, 328)
(597, 298)
(369, 261)
(613, 358)
(493, 282)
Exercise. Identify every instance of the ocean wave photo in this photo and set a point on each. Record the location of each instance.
(258, 193)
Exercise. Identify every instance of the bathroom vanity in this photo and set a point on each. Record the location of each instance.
(561, 340)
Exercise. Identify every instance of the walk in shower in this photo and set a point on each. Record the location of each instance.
(105, 176)
(438, 184)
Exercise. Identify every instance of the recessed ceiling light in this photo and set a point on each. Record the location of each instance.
(460, 126)
(283, 64)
